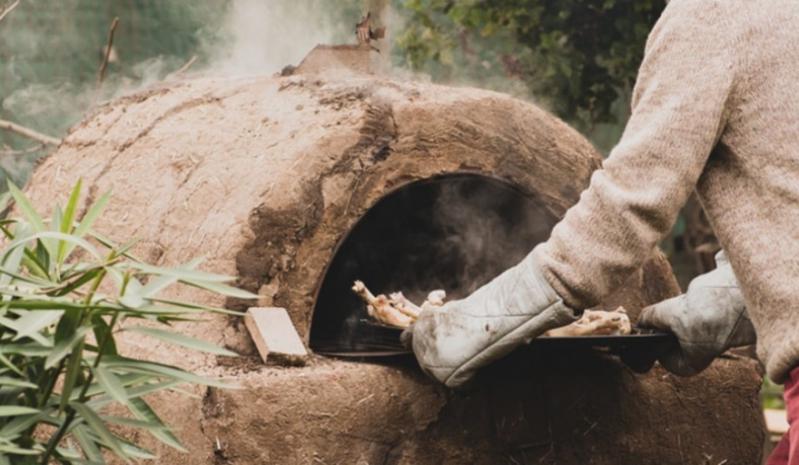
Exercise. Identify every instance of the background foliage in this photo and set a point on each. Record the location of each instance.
(50, 53)
(578, 57)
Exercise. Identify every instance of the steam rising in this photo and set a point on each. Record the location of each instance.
(263, 37)
(50, 53)
(487, 230)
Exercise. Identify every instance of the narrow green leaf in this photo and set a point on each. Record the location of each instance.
(135, 392)
(197, 307)
(168, 319)
(68, 220)
(26, 208)
(157, 285)
(27, 302)
(53, 235)
(127, 380)
(104, 333)
(223, 289)
(63, 347)
(137, 452)
(142, 411)
(32, 263)
(134, 423)
(182, 273)
(15, 410)
(66, 223)
(88, 220)
(7, 381)
(95, 424)
(69, 454)
(77, 283)
(68, 324)
(34, 277)
(33, 217)
(27, 349)
(153, 310)
(127, 282)
(5, 201)
(71, 375)
(12, 262)
(182, 340)
(163, 370)
(43, 256)
(112, 385)
(8, 364)
(17, 425)
(32, 322)
(131, 300)
(91, 215)
(87, 443)
(15, 450)
(6, 228)
(121, 251)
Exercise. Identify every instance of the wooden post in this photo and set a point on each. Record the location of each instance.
(381, 13)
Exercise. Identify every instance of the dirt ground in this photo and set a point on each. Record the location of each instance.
(264, 176)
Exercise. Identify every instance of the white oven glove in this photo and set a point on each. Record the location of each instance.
(453, 341)
(709, 318)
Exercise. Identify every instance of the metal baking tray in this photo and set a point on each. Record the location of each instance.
(641, 338)
(384, 341)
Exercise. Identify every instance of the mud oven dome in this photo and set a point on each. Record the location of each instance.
(299, 184)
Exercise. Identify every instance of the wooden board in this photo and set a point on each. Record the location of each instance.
(274, 334)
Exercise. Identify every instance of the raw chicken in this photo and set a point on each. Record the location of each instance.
(596, 322)
(396, 309)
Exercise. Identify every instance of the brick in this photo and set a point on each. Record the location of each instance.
(274, 335)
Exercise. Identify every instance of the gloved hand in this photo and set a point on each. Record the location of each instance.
(453, 341)
(707, 320)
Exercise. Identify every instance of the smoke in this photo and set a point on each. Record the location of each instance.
(486, 227)
(50, 53)
(263, 37)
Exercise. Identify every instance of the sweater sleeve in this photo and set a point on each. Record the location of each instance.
(679, 112)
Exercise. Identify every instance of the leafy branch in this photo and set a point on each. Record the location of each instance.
(65, 294)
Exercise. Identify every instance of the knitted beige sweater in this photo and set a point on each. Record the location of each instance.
(716, 109)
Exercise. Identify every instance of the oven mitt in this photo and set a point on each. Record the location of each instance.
(452, 342)
(709, 318)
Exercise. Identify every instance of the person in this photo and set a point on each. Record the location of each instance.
(715, 108)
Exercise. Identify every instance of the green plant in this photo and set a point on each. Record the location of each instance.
(65, 293)
(771, 395)
(578, 57)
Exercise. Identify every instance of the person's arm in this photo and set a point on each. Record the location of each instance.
(679, 112)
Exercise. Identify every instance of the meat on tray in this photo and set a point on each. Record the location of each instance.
(596, 322)
(396, 310)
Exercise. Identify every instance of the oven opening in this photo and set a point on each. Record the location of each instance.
(455, 232)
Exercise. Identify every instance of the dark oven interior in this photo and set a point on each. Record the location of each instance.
(454, 232)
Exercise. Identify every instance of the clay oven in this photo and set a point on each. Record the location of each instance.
(297, 184)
